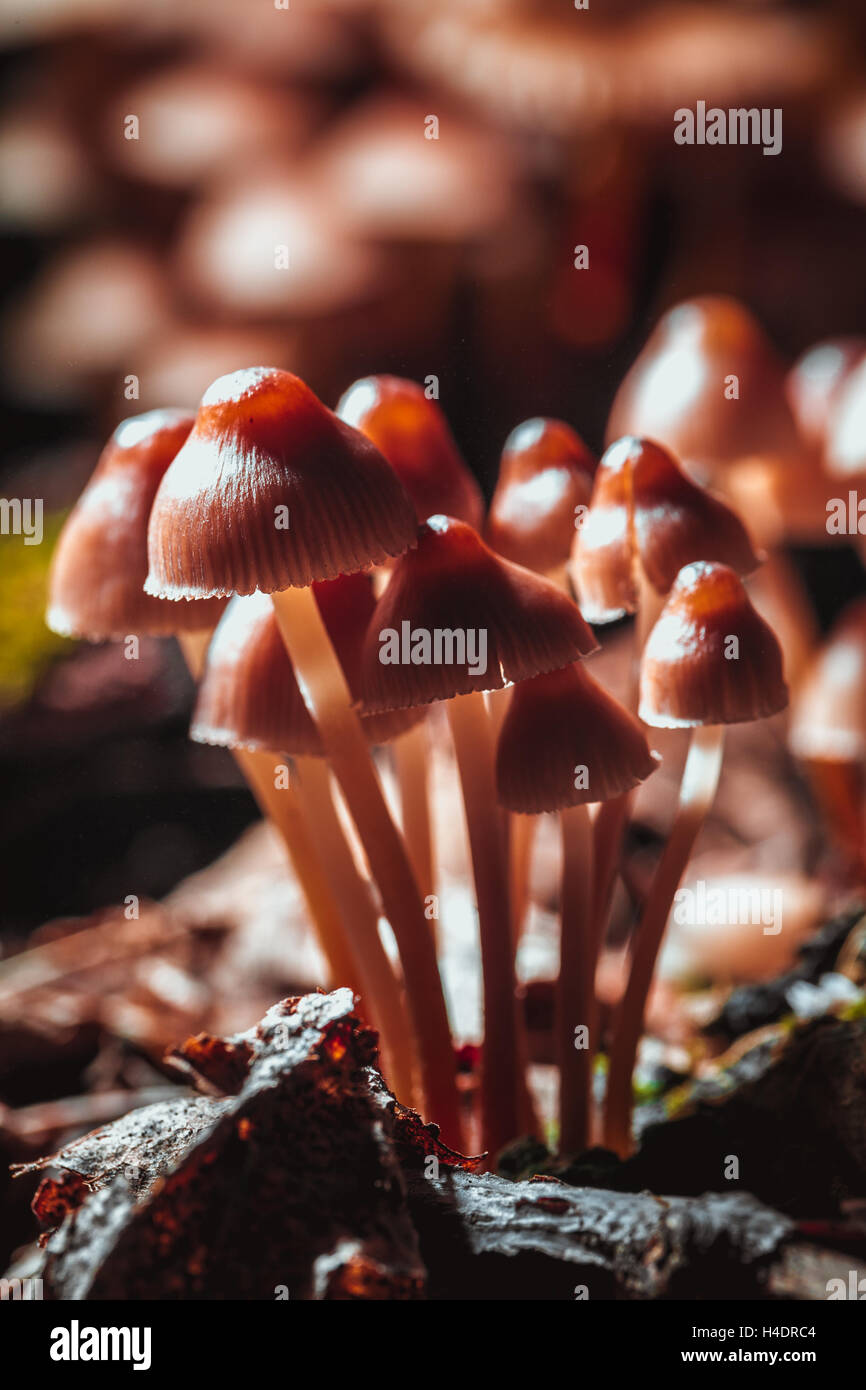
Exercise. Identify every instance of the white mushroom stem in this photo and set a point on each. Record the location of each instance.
(328, 699)
(411, 753)
(697, 791)
(502, 1059)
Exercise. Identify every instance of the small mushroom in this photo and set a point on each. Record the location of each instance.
(494, 622)
(815, 382)
(710, 661)
(828, 730)
(566, 742)
(100, 562)
(413, 434)
(544, 488)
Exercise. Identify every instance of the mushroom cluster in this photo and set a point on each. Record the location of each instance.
(332, 576)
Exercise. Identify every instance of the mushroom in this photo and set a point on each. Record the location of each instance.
(815, 382)
(456, 620)
(249, 698)
(566, 742)
(543, 490)
(100, 562)
(828, 730)
(393, 176)
(197, 118)
(96, 593)
(709, 386)
(265, 244)
(412, 432)
(544, 486)
(646, 520)
(710, 660)
(88, 312)
(271, 491)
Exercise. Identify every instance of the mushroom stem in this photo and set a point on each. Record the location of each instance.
(697, 790)
(282, 807)
(193, 646)
(360, 916)
(327, 697)
(521, 830)
(608, 830)
(411, 759)
(575, 986)
(840, 790)
(501, 1080)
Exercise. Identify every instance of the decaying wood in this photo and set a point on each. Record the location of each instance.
(292, 1172)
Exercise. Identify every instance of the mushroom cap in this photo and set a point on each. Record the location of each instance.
(561, 722)
(100, 563)
(693, 672)
(846, 445)
(249, 696)
(646, 512)
(454, 585)
(226, 248)
(199, 117)
(390, 181)
(413, 434)
(87, 314)
(828, 715)
(676, 390)
(545, 474)
(814, 384)
(271, 491)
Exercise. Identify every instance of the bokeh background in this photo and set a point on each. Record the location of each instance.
(138, 269)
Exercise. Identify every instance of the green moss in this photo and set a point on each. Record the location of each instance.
(26, 645)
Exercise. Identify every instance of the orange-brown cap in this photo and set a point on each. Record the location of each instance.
(413, 434)
(545, 475)
(846, 445)
(566, 741)
(100, 563)
(710, 659)
(645, 512)
(270, 491)
(815, 381)
(709, 386)
(249, 696)
(828, 715)
(455, 618)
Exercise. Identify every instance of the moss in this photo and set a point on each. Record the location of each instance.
(26, 645)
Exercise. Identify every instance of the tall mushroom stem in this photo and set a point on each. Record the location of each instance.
(327, 697)
(521, 830)
(285, 812)
(575, 985)
(411, 764)
(283, 808)
(360, 916)
(697, 791)
(501, 1061)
